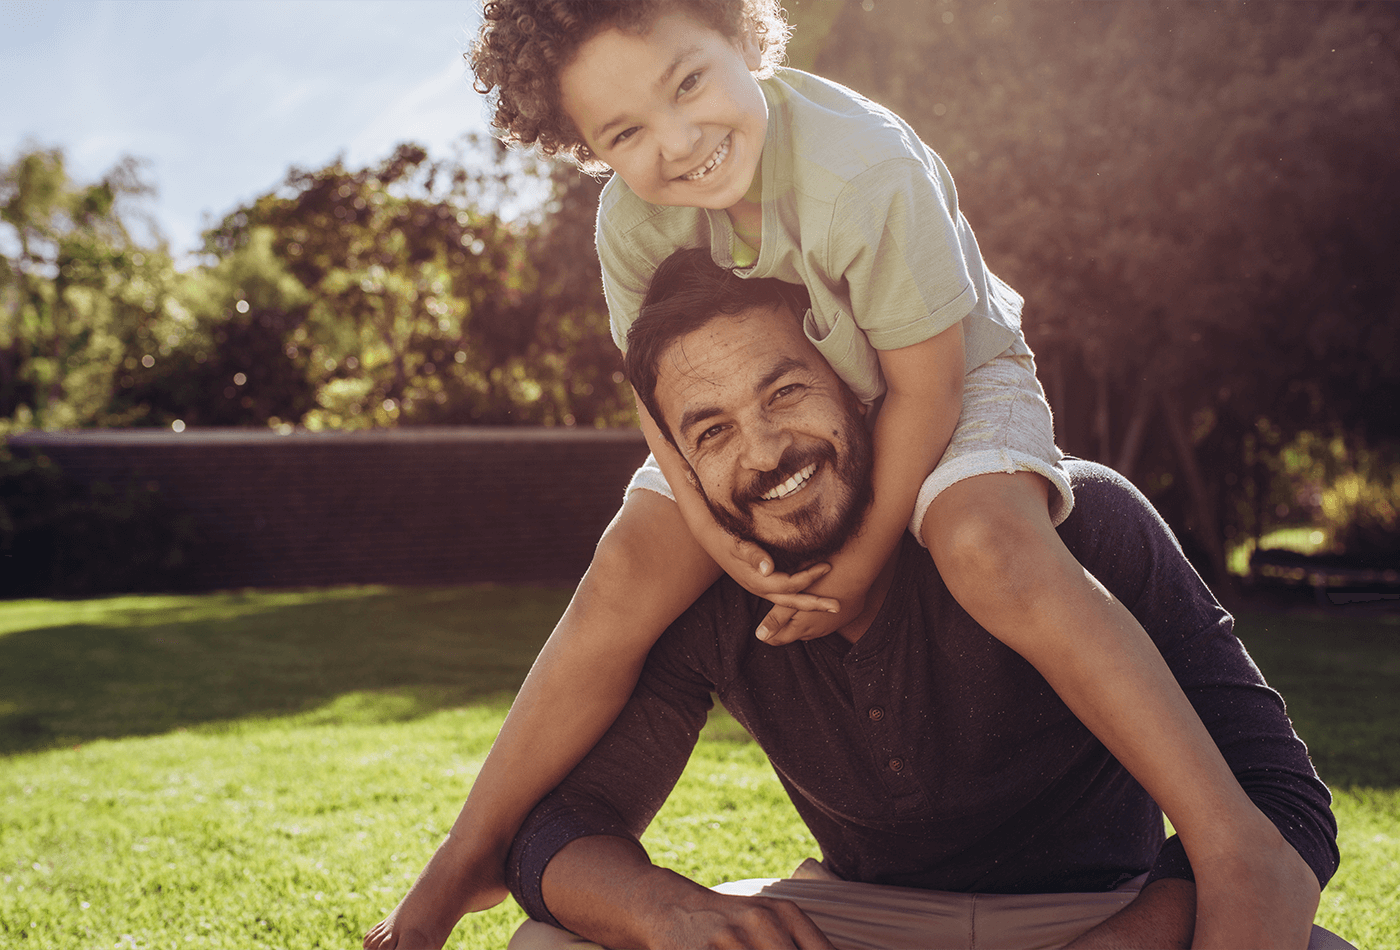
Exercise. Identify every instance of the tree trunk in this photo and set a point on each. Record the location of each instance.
(1101, 419)
(1207, 529)
(1137, 429)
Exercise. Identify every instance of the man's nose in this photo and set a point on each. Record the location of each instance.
(764, 445)
(679, 137)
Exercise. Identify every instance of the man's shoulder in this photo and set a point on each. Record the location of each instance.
(1108, 506)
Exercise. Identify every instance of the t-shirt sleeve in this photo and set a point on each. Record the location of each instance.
(626, 276)
(1116, 534)
(896, 243)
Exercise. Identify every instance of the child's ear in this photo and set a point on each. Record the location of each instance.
(747, 43)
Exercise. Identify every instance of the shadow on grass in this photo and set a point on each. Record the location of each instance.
(78, 671)
(1340, 677)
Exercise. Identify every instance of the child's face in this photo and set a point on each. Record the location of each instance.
(676, 112)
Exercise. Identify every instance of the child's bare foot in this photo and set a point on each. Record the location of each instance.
(449, 887)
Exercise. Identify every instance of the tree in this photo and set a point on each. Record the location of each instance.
(1198, 201)
(79, 296)
(426, 304)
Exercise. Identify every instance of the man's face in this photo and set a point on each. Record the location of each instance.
(775, 439)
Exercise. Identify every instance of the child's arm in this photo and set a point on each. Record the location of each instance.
(646, 571)
(923, 401)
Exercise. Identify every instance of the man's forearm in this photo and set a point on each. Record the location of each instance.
(607, 890)
(598, 886)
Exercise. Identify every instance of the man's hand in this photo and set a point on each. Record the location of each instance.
(1161, 916)
(607, 890)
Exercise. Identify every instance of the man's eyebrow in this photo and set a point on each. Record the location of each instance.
(787, 364)
(664, 80)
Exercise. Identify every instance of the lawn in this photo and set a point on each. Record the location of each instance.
(272, 769)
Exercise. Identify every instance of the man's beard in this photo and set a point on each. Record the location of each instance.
(819, 530)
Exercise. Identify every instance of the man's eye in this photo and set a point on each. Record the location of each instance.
(710, 433)
(688, 83)
(791, 389)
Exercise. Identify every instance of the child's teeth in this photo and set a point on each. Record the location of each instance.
(719, 155)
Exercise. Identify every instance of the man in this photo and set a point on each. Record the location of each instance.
(956, 800)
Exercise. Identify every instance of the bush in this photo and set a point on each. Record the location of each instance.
(61, 538)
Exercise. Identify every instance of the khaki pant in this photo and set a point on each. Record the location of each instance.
(878, 917)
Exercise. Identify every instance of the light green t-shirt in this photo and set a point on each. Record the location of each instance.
(856, 208)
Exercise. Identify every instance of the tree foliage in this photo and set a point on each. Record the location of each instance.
(1200, 204)
(75, 290)
(427, 308)
(399, 293)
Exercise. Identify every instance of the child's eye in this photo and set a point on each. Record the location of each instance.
(624, 135)
(688, 83)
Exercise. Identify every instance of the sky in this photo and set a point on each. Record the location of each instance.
(221, 97)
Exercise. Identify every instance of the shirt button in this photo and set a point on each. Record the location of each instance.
(896, 765)
(876, 714)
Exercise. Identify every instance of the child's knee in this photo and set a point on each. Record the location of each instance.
(974, 546)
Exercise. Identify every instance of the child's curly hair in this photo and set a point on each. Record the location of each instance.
(523, 44)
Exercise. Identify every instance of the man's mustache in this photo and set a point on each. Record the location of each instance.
(794, 459)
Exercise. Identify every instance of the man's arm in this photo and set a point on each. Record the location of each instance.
(606, 889)
(621, 784)
(1115, 533)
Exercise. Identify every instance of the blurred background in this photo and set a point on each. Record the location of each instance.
(290, 218)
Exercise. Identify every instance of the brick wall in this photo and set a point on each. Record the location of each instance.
(400, 506)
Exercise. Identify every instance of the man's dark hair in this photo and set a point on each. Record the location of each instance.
(687, 291)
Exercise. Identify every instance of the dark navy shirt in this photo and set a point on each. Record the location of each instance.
(928, 754)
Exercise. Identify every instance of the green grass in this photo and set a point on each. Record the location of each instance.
(273, 769)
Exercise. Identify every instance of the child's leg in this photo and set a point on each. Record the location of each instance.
(991, 538)
(646, 571)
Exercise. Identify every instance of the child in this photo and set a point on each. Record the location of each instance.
(786, 175)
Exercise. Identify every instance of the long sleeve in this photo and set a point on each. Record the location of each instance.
(1117, 535)
(621, 784)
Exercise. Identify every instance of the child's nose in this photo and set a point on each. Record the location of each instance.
(678, 139)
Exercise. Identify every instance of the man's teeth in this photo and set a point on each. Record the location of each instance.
(720, 155)
(792, 484)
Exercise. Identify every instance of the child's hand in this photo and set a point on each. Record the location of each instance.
(751, 566)
(784, 625)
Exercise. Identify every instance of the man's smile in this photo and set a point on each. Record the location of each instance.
(793, 485)
(716, 159)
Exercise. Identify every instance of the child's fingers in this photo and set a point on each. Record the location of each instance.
(755, 557)
(772, 625)
(771, 585)
(800, 601)
(802, 625)
(806, 578)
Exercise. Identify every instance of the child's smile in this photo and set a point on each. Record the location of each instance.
(715, 161)
(676, 112)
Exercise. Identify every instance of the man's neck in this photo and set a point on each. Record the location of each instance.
(874, 600)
